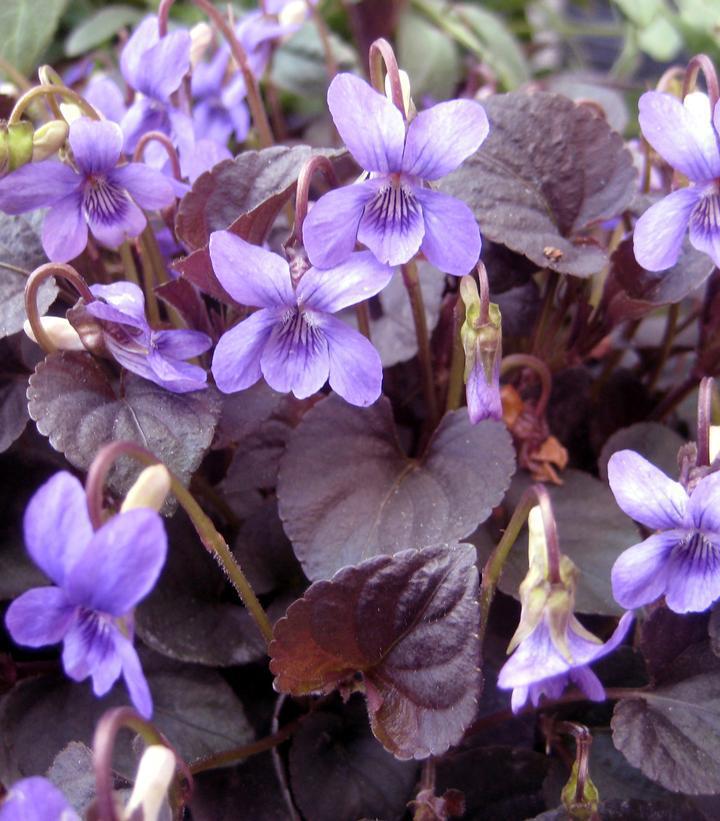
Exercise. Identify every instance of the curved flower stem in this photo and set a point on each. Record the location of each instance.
(238, 754)
(534, 495)
(50, 90)
(522, 360)
(209, 536)
(704, 420)
(150, 269)
(257, 109)
(672, 76)
(49, 77)
(109, 725)
(35, 280)
(412, 284)
(457, 364)
(317, 163)
(701, 62)
(382, 52)
(583, 743)
(166, 142)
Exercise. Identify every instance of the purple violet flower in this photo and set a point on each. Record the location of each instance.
(154, 355)
(393, 212)
(99, 195)
(293, 340)
(36, 799)
(155, 67)
(100, 576)
(686, 137)
(682, 560)
(538, 667)
(219, 109)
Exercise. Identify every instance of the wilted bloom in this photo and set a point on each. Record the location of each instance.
(36, 799)
(294, 341)
(99, 575)
(686, 137)
(393, 212)
(155, 355)
(482, 342)
(99, 195)
(682, 560)
(553, 648)
(155, 66)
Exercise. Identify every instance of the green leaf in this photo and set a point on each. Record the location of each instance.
(657, 443)
(429, 56)
(27, 28)
(99, 27)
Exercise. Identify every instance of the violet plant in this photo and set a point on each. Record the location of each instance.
(296, 567)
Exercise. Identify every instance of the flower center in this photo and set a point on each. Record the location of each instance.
(103, 201)
(394, 204)
(705, 218)
(699, 549)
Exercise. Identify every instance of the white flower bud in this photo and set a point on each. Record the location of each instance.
(293, 13)
(408, 104)
(149, 795)
(714, 435)
(61, 333)
(201, 35)
(149, 489)
(48, 139)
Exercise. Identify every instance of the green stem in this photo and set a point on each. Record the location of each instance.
(238, 754)
(50, 90)
(412, 284)
(148, 277)
(128, 262)
(9, 70)
(457, 364)
(209, 536)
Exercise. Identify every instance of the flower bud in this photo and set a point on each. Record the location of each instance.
(201, 36)
(149, 489)
(581, 807)
(16, 145)
(155, 772)
(48, 139)
(293, 13)
(714, 442)
(62, 334)
(482, 343)
(408, 103)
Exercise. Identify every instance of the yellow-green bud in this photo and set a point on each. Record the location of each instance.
(16, 145)
(48, 139)
(481, 340)
(582, 807)
(149, 489)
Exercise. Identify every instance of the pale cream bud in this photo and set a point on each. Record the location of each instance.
(408, 104)
(293, 13)
(149, 489)
(149, 796)
(714, 435)
(61, 333)
(48, 139)
(201, 35)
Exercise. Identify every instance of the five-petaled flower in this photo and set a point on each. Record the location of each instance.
(682, 560)
(99, 195)
(293, 340)
(99, 575)
(686, 136)
(36, 799)
(393, 212)
(155, 355)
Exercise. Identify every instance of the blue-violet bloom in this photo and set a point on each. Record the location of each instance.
(155, 355)
(99, 195)
(294, 340)
(685, 134)
(682, 559)
(393, 212)
(36, 799)
(99, 575)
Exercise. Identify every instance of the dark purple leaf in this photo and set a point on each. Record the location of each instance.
(548, 169)
(244, 194)
(13, 409)
(666, 635)
(76, 405)
(407, 624)
(339, 772)
(348, 492)
(181, 295)
(72, 772)
(20, 247)
(244, 413)
(657, 443)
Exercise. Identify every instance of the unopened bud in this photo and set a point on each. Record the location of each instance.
(201, 35)
(16, 145)
(149, 489)
(293, 13)
(48, 139)
(580, 800)
(61, 333)
(714, 442)
(408, 104)
(149, 796)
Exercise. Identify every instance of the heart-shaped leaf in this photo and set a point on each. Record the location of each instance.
(408, 624)
(348, 492)
(657, 443)
(76, 405)
(548, 169)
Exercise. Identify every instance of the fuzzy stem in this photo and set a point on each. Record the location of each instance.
(382, 52)
(166, 143)
(704, 420)
(457, 365)
(412, 284)
(109, 725)
(257, 110)
(35, 280)
(701, 62)
(536, 494)
(521, 360)
(209, 536)
(50, 90)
